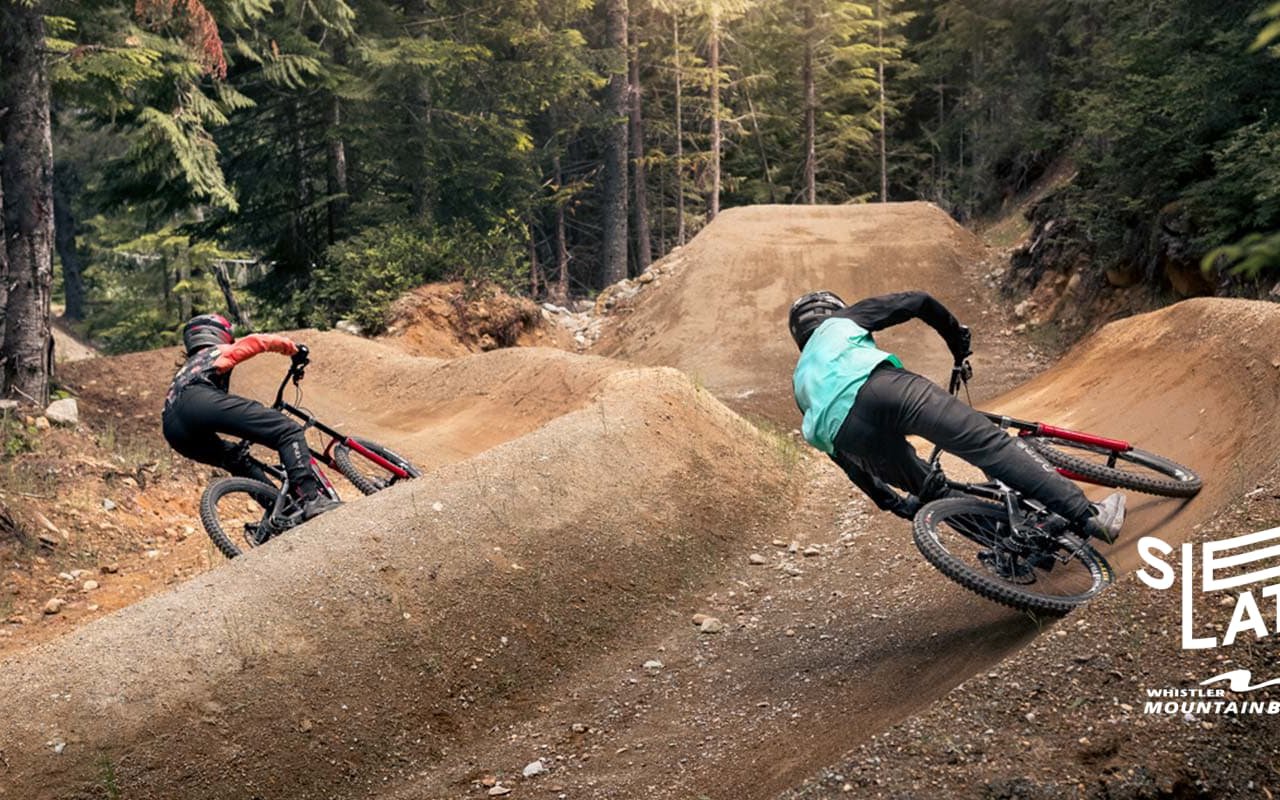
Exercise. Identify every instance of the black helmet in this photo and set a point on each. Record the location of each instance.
(808, 312)
(206, 330)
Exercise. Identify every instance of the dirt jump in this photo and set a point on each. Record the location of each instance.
(521, 620)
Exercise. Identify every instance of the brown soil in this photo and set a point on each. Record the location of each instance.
(452, 319)
(433, 640)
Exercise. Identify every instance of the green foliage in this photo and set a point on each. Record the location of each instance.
(15, 437)
(363, 275)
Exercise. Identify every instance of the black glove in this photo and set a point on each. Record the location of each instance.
(959, 344)
(303, 356)
(907, 507)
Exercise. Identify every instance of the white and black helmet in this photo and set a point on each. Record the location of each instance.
(808, 312)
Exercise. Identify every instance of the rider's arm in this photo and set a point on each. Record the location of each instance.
(887, 310)
(250, 346)
(885, 498)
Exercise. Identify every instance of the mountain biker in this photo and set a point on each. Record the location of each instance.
(859, 405)
(199, 406)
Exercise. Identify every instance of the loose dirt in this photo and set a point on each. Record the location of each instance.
(438, 639)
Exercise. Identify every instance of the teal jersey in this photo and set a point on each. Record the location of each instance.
(833, 366)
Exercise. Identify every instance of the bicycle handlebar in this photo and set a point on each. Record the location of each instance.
(297, 371)
(960, 374)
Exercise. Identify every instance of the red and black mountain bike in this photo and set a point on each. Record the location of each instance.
(1010, 548)
(243, 512)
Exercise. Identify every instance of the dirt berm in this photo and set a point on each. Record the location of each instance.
(384, 631)
(720, 313)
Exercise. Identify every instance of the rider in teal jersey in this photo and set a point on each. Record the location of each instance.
(859, 405)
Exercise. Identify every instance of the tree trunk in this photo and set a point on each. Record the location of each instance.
(561, 295)
(339, 190)
(884, 156)
(810, 111)
(534, 269)
(238, 315)
(713, 65)
(4, 237)
(64, 228)
(28, 184)
(680, 230)
(614, 187)
(639, 188)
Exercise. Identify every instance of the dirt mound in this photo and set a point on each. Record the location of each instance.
(384, 633)
(722, 316)
(452, 319)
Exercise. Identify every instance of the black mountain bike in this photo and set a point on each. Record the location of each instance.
(1010, 548)
(243, 512)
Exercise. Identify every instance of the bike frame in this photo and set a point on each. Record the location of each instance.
(296, 372)
(1113, 447)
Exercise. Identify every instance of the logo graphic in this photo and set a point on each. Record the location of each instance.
(1248, 567)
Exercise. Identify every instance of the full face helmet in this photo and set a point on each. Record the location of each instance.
(206, 330)
(808, 312)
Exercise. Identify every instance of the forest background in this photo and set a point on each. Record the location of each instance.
(298, 162)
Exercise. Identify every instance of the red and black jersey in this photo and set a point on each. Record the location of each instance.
(212, 365)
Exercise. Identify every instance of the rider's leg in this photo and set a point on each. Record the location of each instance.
(910, 404)
(217, 412)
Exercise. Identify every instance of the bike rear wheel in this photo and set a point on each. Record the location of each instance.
(235, 513)
(1134, 469)
(972, 542)
(366, 474)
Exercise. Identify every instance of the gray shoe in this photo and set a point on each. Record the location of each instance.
(318, 505)
(1107, 519)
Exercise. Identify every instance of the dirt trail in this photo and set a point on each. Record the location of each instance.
(435, 639)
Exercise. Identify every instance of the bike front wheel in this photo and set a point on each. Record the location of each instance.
(236, 514)
(375, 468)
(1020, 564)
(1133, 469)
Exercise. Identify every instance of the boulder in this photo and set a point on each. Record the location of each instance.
(63, 412)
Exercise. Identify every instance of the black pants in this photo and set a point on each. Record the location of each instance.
(895, 403)
(201, 412)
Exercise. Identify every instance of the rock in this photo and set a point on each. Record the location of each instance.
(305, 726)
(778, 543)
(109, 569)
(48, 540)
(499, 791)
(646, 277)
(698, 619)
(653, 664)
(63, 412)
(578, 727)
(349, 326)
(89, 586)
(1275, 290)
(8, 405)
(794, 547)
(54, 605)
(1021, 310)
(17, 619)
(756, 558)
(42, 424)
(711, 625)
(533, 768)
(489, 780)
(108, 505)
(1021, 327)
(811, 551)
(46, 524)
(792, 570)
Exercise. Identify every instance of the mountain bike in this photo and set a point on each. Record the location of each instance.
(240, 512)
(1009, 548)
